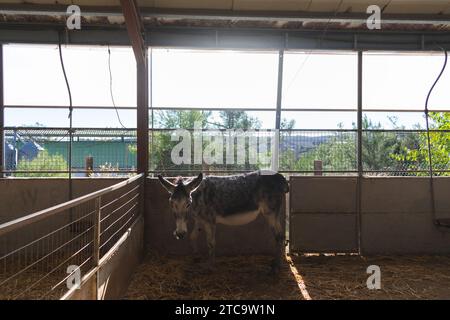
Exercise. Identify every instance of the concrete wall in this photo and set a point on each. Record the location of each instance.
(254, 238)
(115, 274)
(19, 197)
(396, 215)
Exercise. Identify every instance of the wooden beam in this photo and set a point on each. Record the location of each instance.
(136, 33)
(142, 117)
(135, 29)
(2, 117)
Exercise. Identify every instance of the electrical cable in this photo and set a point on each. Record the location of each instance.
(61, 59)
(69, 91)
(111, 88)
(430, 160)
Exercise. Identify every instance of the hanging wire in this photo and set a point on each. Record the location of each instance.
(69, 156)
(111, 88)
(430, 159)
(61, 59)
(319, 41)
(69, 91)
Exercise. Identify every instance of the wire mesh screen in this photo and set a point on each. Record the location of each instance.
(35, 260)
(183, 152)
(405, 153)
(318, 151)
(42, 255)
(119, 210)
(43, 152)
(36, 152)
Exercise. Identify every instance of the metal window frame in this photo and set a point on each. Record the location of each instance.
(143, 99)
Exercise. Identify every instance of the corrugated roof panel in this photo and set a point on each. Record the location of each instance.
(66, 2)
(395, 6)
(194, 4)
(270, 5)
(325, 5)
(361, 6)
(417, 6)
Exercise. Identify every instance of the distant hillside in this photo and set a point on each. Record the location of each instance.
(301, 143)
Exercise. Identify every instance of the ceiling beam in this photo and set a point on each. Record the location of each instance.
(218, 14)
(135, 29)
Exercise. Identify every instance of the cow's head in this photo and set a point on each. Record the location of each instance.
(180, 200)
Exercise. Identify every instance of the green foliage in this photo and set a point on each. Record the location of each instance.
(381, 150)
(43, 162)
(161, 145)
(338, 152)
(160, 142)
(235, 119)
(418, 157)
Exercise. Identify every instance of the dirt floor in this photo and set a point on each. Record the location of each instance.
(302, 277)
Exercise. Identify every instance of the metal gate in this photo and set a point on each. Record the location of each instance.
(323, 214)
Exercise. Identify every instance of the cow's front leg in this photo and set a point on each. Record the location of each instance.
(210, 231)
(193, 241)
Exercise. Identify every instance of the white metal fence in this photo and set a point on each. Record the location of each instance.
(44, 255)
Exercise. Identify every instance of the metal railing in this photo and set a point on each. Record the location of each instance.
(43, 254)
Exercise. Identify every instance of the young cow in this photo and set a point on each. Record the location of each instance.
(229, 200)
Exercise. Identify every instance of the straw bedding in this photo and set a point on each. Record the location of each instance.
(321, 277)
(161, 277)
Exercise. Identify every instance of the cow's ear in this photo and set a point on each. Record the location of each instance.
(170, 187)
(195, 183)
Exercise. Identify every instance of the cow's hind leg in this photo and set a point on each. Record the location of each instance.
(274, 215)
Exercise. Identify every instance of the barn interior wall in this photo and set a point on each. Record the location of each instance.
(395, 217)
(20, 197)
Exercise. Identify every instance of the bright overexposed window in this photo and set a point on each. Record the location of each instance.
(214, 79)
(402, 81)
(33, 77)
(320, 80)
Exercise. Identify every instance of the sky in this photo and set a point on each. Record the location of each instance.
(219, 79)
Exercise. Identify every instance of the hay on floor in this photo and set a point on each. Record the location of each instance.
(336, 277)
(161, 277)
(322, 276)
